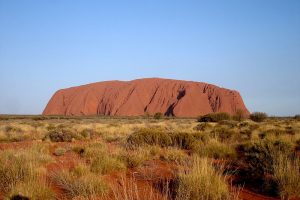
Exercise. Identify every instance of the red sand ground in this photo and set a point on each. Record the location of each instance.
(137, 97)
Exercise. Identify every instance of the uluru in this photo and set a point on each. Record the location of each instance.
(150, 95)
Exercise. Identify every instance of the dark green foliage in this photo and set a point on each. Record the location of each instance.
(258, 116)
(60, 135)
(258, 156)
(214, 117)
(158, 115)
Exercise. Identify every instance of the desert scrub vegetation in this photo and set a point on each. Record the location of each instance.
(259, 155)
(104, 148)
(163, 138)
(216, 149)
(201, 181)
(258, 116)
(76, 185)
(136, 157)
(214, 117)
(287, 175)
(33, 189)
(105, 164)
(21, 172)
(60, 135)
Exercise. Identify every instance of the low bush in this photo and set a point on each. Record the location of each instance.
(183, 140)
(214, 117)
(60, 135)
(258, 116)
(258, 156)
(202, 181)
(150, 137)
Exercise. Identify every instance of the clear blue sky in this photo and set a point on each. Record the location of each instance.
(249, 45)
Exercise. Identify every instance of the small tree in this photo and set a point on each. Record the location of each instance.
(158, 115)
(258, 116)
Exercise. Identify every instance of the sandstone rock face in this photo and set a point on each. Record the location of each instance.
(151, 95)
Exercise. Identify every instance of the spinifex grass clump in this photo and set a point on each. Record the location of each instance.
(202, 182)
(85, 185)
(19, 175)
(287, 175)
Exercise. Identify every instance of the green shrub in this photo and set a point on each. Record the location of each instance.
(258, 116)
(150, 137)
(202, 181)
(214, 117)
(259, 156)
(60, 135)
(158, 115)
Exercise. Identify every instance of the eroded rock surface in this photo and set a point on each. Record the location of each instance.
(151, 95)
